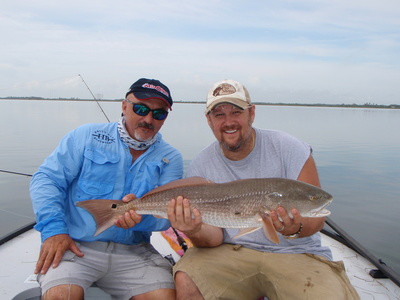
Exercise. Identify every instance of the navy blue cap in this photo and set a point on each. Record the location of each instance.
(150, 88)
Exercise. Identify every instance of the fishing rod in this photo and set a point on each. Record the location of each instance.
(180, 240)
(30, 175)
(94, 98)
(16, 173)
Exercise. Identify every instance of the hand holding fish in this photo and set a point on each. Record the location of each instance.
(182, 218)
(130, 218)
(289, 222)
(52, 251)
(190, 222)
(285, 224)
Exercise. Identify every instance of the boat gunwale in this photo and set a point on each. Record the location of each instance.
(339, 235)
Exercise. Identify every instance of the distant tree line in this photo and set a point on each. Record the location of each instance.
(365, 105)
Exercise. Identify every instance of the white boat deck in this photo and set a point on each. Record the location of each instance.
(18, 259)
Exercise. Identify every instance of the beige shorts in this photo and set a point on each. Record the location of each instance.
(234, 272)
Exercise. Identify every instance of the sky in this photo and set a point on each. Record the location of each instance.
(290, 51)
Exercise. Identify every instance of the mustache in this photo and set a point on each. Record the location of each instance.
(145, 125)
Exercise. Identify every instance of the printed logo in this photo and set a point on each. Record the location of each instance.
(103, 137)
(155, 87)
(224, 89)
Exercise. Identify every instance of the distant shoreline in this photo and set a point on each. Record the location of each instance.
(366, 105)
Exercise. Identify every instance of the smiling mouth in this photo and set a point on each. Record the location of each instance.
(230, 131)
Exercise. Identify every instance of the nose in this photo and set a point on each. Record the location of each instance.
(148, 118)
(229, 118)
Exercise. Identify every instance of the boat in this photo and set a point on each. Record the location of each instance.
(19, 250)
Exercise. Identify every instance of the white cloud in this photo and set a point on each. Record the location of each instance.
(327, 51)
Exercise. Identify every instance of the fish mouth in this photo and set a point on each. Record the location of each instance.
(321, 212)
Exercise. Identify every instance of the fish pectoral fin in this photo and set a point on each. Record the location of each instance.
(269, 228)
(245, 231)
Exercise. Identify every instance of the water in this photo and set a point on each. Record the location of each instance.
(356, 151)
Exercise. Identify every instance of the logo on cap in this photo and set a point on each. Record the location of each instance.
(155, 87)
(224, 89)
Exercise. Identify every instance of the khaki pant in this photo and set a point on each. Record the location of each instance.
(234, 272)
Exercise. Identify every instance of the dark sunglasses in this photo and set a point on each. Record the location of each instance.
(143, 110)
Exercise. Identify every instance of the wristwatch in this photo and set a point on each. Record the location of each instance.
(294, 235)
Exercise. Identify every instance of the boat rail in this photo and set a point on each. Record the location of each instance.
(338, 233)
(382, 271)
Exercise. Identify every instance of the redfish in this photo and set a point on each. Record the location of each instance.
(243, 204)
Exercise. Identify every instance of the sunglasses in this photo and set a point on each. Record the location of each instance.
(143, 110)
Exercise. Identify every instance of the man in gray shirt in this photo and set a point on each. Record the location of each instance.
(251, 266)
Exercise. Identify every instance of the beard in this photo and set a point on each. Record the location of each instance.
(137, 136)
(241, 141)
(233, 148)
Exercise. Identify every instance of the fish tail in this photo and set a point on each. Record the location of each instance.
(104, 212)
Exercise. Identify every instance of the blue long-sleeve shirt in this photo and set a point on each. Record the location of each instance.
(91, 162)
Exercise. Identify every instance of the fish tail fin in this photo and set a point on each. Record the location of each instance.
(104, 212)
(269, 228)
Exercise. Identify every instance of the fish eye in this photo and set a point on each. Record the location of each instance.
(314, 197)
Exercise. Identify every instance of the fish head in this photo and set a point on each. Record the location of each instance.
(309, 200)
(312, 201)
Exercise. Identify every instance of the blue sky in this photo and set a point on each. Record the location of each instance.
(312, 51)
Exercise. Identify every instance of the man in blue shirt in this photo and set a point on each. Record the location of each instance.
(106, 161)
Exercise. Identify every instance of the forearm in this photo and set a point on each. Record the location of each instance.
(207, 236)
(309, 175)
(48, 205)
(310, 226)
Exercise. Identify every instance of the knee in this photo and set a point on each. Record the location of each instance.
(185, 287)
(181, 279)
(64, 291)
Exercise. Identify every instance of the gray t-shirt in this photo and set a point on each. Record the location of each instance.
(276, 154)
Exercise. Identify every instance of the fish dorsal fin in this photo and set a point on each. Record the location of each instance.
(190, 181)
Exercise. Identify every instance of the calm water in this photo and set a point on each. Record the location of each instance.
(356, 150)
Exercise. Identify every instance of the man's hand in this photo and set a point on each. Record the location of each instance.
(284, 223)
(53, 250)
(130, 218)
(190, 222)
(180, 216)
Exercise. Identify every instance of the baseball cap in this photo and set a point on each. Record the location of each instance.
(228, 91)
(145, 88)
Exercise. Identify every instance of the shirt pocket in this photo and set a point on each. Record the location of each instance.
(150, 176)
(99, 172)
